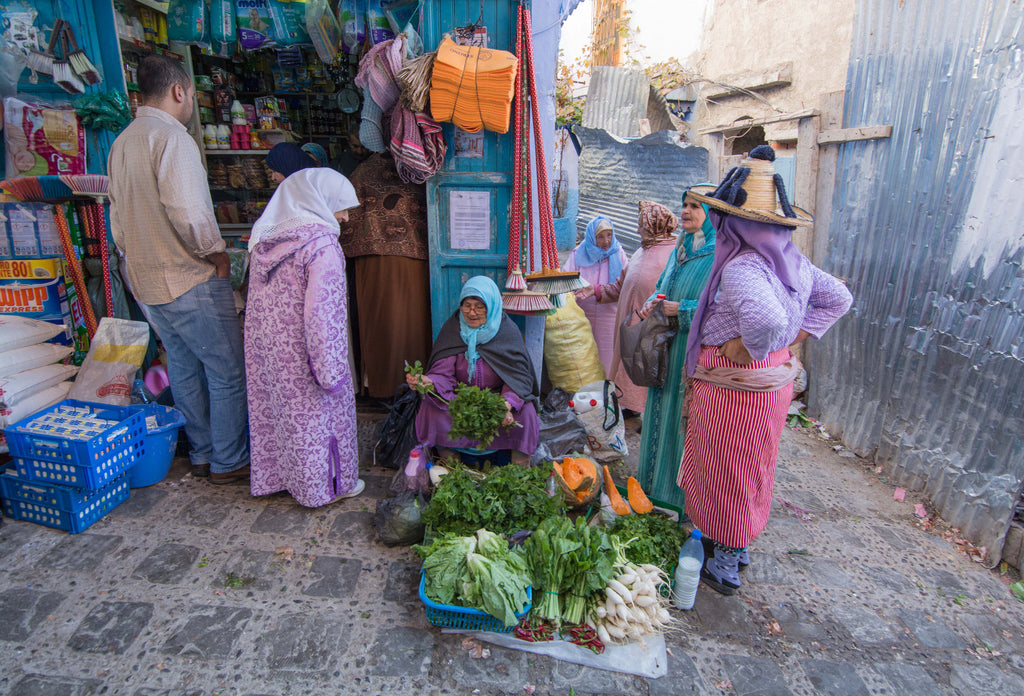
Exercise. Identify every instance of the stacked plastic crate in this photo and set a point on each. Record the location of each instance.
(71, 463)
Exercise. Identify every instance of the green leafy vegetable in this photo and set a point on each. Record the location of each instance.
(479, 572)
(476, 414)
(507, 500)
(651, 538)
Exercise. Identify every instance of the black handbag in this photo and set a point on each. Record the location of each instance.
(644, 346)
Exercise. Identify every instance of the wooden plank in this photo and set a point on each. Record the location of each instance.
(716, 150)
(803, 193)
(748, 122)
(831, 119)
(849, 135)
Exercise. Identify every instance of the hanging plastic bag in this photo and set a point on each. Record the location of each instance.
(399, 520)
(187, 21)
(597, 407)
(398, 431)
(352, 20)
(288, 22)
(570, 351)
(323, 30)
(42, 139)
(115, 354)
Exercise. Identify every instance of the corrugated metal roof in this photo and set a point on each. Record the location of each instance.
(927, 371)
(615, 175)
(618, 98)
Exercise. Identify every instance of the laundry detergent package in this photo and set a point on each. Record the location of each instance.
(38, 289)
(31, 230)
(254, 23)
(41, 139)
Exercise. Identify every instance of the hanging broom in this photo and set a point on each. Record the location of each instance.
(63, 75)
(549, 279)
(42, 61)
(80, 62)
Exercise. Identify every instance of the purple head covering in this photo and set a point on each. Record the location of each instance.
(734, 234)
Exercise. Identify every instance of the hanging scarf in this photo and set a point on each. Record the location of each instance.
(307, 196)
(588, 253)
(773, 242)
(657, 223)
(484, 288)
(288, 158)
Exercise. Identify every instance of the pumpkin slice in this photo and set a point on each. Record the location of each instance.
(620, 506)
(637, 498)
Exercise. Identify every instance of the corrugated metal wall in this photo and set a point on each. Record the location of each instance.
(615, 175)
(927, 371)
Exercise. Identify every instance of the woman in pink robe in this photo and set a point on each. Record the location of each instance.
(600, 259)
(302, 414)
(636, 284)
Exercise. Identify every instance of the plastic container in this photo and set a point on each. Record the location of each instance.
(77, 443)
(237, 114)
(210, 137)
(59, 507)
(416, 476)
(659, 296)
(162, 423)
(585, 401)
(448, 616)
(687, 575)
(223, 137)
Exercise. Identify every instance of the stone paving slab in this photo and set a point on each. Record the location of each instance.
(189, 589)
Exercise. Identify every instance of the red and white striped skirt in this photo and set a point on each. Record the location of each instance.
(732, 441)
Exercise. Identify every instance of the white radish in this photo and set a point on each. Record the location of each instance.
(602, 633)
(663, 616)
(600, 612)
(644, 600)
(614, 596)
(615, 632)
(627, 578)
(621, 590)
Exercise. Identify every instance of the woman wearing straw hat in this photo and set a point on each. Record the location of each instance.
(763, 298)
(681, 281)
(600, 259)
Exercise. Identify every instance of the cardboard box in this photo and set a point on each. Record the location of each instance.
(38, 289)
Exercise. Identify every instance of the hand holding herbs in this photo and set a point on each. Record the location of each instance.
(476, 414)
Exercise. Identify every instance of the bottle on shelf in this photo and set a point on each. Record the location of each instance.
(210, 137)
(223, 137)
(687, 576)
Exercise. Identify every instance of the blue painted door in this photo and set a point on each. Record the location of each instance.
(479, 171)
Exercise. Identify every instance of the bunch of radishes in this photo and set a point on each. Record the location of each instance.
(633, 605)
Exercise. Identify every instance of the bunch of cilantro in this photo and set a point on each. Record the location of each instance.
(508, 499)
(650, 538)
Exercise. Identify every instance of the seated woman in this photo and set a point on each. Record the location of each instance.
(480, 346)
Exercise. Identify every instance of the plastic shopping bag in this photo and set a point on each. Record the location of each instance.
(115, 355)
(597, 406)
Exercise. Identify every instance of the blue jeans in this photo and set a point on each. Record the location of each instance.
(206, 367)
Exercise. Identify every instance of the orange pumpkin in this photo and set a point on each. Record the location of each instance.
(637, 498)
(620, 506)
(577, 479)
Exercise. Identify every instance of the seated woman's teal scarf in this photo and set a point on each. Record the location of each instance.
(485, 289)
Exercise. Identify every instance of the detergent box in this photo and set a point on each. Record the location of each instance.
(30, 230)
(36, 288)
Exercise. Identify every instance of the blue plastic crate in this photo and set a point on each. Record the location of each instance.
(77, 443)
(58, 506)
(463, 618)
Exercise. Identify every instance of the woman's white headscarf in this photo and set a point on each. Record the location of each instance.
(308, 195)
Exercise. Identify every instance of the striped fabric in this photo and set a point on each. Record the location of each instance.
(732, 440)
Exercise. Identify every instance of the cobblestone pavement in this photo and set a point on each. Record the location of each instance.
(190, 589)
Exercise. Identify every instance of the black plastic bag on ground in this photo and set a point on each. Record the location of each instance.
(398, 431)
(561, 432)
(399, 520)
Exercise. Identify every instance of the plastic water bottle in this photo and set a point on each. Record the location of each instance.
(691, 560)
(416, 476)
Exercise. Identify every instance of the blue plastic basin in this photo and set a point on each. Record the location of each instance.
(158, 446)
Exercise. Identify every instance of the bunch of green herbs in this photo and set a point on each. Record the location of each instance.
(478, 572)
(508, 499)
(476, 414)
(651, 538)
(570, 563)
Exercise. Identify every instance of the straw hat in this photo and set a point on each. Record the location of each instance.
(754, 191)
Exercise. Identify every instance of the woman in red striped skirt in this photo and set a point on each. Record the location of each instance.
(763, 297)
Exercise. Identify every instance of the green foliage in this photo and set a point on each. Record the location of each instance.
(651, 538)
(476, 414)
(507, 500)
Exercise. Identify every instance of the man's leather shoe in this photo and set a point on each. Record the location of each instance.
(235, 476)
(201, 471)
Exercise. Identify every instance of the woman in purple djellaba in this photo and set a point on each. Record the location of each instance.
(302, 412)
(480, 346)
